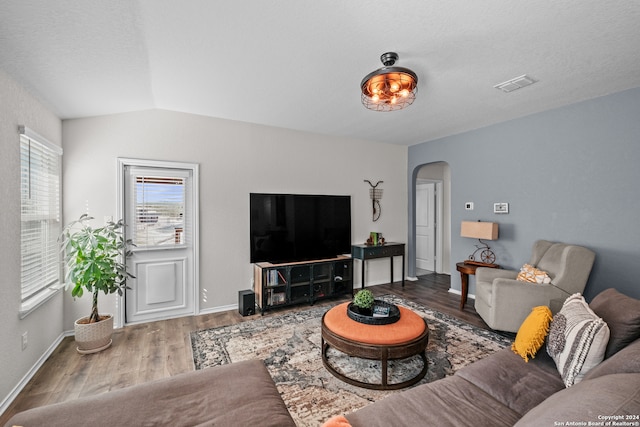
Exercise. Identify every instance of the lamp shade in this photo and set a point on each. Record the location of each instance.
(479, 230)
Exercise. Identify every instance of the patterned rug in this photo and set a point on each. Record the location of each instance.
(289, 344)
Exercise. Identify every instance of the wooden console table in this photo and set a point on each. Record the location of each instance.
(365, 252)
(465, 270)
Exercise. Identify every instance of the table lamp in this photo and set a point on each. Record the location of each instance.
(481, 231)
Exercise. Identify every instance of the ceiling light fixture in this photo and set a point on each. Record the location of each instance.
(389, 88)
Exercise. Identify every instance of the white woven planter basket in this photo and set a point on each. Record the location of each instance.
(94, 337)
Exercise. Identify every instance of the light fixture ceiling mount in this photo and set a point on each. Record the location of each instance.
(389, 88)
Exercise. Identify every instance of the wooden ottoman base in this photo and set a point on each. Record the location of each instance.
(375, 351)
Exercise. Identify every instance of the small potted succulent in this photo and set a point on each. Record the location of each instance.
(364, 301)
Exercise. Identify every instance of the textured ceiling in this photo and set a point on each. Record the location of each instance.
(298, 64)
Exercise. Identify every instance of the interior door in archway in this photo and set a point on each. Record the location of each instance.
(425, 226)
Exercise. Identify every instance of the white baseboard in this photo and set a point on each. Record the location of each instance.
(457, 292)
(357, 286)
(219, 309)
(34, 369)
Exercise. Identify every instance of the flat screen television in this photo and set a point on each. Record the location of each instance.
(298, 227)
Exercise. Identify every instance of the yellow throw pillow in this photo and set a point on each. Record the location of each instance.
(532, 332)
(529, 273)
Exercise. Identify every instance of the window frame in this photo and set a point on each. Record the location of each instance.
(46, 238)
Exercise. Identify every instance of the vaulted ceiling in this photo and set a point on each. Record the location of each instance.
(298, 64)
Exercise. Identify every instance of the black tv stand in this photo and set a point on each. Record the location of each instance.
(286, 284)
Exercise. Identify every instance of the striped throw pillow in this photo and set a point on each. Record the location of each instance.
(577, 340)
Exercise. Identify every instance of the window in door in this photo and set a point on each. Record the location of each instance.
(159, 211)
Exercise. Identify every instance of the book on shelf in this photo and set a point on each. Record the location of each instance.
(380, 311)
(281, 277)
(275, 278)
(278, 298)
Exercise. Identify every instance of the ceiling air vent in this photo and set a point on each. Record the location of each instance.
(515, 83)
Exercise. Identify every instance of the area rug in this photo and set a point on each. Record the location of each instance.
(289, 344)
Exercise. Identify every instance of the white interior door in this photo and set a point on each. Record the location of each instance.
(426, 226)
(160, 213)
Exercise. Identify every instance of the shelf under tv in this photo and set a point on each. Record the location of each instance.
(299, 282)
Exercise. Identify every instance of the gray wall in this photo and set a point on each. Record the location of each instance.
(569, 174)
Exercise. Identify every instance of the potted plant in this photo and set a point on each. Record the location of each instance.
(94, 262)
(364, 301)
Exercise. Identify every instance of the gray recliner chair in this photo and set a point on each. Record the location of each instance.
(504, 302)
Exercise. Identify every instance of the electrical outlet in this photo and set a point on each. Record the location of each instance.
(25, 340)
(468, 206)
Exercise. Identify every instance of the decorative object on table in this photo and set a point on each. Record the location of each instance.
(289, 345)
(364, 300)
(381, 313)
(376, 194)
(389, 88)
(381, 310)
(93, 260)
(481, 231)
(375, 239)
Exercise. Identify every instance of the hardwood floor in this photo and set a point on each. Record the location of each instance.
(149, 351)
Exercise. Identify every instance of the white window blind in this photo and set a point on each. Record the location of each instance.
(40, 177)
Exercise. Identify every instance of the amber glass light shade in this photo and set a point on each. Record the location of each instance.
(389, 88)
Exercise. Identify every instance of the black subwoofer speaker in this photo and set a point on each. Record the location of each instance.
(247, 303)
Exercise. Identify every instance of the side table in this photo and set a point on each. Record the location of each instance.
(389, 249)
(465, 270)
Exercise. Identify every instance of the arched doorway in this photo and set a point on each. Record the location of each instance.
(432, 229)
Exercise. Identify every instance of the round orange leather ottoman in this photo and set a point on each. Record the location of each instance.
(405, 338)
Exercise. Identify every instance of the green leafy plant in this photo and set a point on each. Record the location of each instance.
(363, 299)
(93, 259)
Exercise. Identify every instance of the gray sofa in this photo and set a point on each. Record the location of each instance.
(239, 394)
(503, 390)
